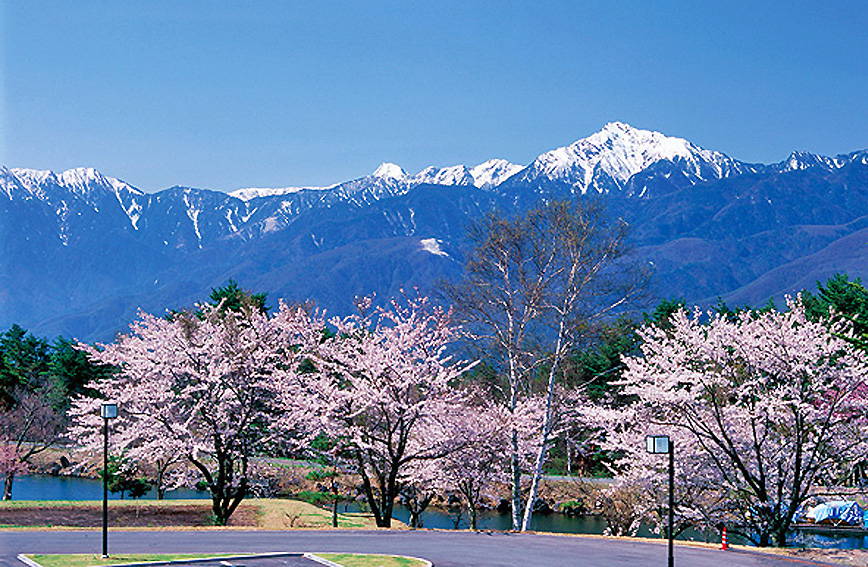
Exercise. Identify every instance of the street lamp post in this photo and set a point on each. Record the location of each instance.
(662, 444)
(107, 411)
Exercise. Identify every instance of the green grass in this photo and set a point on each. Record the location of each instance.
(88, 560)
(364, 560)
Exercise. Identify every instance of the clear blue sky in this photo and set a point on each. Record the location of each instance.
(225, 95)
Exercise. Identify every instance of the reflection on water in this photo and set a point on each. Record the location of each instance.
(802, 539)
(492, 520)
(42, 487)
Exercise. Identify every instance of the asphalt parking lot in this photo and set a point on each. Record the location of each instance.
(443, 548)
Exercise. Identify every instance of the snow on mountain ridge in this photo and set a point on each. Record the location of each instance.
(389, 171)
(618, 152)
(249, 193)
(802, 160)
(487, 174)
(81, 180)
(493, 172)
(453, 175)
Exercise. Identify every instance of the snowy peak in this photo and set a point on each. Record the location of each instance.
(251, 193)
(390, 171)
(488, 174)
(803, 160)
(81, 181)
(10, 184)
(608, 159)
(454, 175)
(493, 172)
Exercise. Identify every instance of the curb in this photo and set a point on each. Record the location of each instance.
(327, 563)
(27, 561)
(321, 560)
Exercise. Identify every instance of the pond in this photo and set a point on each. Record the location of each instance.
(39, 487)
(45, 487)
(492, 520)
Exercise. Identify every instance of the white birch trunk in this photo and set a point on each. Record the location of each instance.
(546, 431)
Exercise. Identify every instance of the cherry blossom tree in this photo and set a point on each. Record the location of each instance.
(201, 384)
(534, 286)
(31, 425)
(419, 483)
(477, 467)
(383, 386)
(762, 406)
(640, 488)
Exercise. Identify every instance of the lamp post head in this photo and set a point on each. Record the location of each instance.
(108, 410)
(657, 443)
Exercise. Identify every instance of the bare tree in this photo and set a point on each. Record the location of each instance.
(533, 286)
(30, 426)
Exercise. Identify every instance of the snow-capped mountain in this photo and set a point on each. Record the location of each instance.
(455, 175)
(249, 193)
(607, 161)
(803, 160)
(390, 171)
(81, 251)
(493, 172)
(84, 182)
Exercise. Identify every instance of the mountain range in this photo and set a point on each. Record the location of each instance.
(80, 252)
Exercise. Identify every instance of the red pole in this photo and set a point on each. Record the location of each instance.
(724, 545)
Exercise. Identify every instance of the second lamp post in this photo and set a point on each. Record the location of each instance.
(662, 444)
(107, 411)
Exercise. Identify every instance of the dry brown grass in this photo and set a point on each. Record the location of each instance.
(264, 513)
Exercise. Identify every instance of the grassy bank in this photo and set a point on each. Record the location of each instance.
(259, 513)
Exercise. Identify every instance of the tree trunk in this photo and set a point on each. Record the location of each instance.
(780, 537)
(516, 483)
(546, 431)
(161, 490)
(387, 505)
(224, 499)
(7, 485)
(414, 519)
(417, 506)
(335, 512)
(334, 488)
(369, 493)
(380, 507)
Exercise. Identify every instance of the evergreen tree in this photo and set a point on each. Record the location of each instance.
(234, 298)
(848, 299)
(73, 370)
(24, 363)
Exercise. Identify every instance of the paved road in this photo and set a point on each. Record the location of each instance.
(445, 549)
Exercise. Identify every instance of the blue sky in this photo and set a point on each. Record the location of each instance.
(225, 95)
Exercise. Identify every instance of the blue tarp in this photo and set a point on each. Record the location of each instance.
(838, 512)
